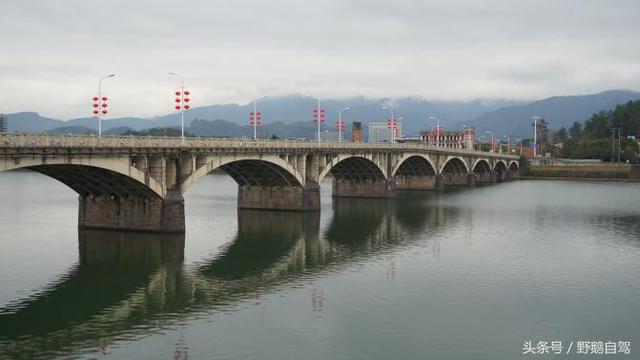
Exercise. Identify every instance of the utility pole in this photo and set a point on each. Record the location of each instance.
(535, 135)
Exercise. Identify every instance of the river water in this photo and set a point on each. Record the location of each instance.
(465, 274)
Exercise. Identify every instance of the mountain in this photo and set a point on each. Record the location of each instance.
(515, 121)
(290, 116)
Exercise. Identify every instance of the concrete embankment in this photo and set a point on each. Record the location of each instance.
(623, 172)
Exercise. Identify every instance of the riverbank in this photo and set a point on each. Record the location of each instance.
(594, 172)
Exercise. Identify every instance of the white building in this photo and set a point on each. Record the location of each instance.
(379, 132)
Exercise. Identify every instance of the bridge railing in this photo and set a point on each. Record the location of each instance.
(40, 141)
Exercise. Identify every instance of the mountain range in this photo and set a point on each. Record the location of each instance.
(290, 116)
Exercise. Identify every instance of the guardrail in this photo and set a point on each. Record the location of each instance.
(37, 141)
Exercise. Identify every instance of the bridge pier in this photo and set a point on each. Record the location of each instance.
(456, 180)
(417, 182)
(132, 214)
(378, 188)
(280, 197)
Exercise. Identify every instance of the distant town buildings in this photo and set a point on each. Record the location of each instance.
(356, 132)
(379, 132)
(455, 139)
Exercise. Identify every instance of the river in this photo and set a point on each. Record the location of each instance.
(464, 274)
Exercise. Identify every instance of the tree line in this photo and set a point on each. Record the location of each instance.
(594, 138)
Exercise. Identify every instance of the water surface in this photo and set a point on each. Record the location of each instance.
(467, 274)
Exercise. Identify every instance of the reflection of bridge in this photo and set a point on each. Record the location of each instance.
(137, 183)
(128, 283)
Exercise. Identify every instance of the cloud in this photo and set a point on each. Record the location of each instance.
(54, 52)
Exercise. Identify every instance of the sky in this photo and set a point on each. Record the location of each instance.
(54, 52)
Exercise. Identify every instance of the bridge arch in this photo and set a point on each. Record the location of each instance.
(414, 164)
(500, 165)
(250, 171)
(353, 168)
(454, 165)
(514, 166)
(481, 165)
(95, 177)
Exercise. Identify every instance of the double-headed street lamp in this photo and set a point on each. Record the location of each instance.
(100, 103)
(492, 141)
(255, 118)
(340, 123)
(182, 101)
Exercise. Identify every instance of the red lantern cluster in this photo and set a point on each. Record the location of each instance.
(255, 118)
(318, 115)
(182, 100)
(392, 125)
(100, 106)
(340, 125)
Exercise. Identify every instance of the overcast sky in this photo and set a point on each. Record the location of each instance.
(54, 52)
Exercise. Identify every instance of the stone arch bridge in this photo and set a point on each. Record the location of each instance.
(137, 183)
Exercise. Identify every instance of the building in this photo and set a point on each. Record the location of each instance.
(456, 139)
(4, 125)
(356, 132)
(380, 132)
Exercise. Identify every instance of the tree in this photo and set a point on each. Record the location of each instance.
(575, 131)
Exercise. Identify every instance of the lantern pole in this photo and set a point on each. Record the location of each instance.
(181, 104)
(100, 102)
(340, 123)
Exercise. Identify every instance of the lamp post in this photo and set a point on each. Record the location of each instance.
(492, 141)
(535, 119)
(100, 103)
(181, 102)
(437, 129)
(508, 143)
(340, 124)
(391, 124)
(318, 114)
(255, 118)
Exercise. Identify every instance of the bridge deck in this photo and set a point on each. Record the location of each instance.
(113, 143)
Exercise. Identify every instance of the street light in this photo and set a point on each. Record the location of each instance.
(391, 123)
(340, 124)
(437, 129)
(255, 117)
(100, 103)
(535, 119)
(492, 141)
(508, 143)
(318, 114)
(181, 101)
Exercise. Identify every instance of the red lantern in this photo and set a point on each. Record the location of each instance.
(104, 112)
(186, 99)
(186, 107)
(95, 98)
(177, 100)
(186, 92)
(177, 93)
(104, 105)
(95, 105)
(177, 107)
(104, 98)
(95, 112)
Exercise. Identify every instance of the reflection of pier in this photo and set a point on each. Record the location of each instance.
(126, 283)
